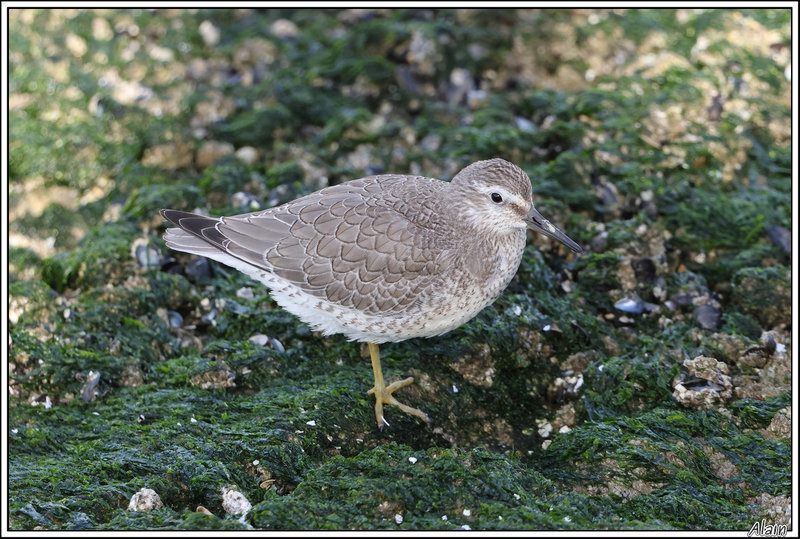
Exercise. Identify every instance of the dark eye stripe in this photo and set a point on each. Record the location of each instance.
(497, 198)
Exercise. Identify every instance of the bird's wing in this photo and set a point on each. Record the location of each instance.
(354, 244)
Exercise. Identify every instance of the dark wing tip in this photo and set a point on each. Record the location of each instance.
(173, 216)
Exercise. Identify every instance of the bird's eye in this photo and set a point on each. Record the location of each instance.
(497, 198)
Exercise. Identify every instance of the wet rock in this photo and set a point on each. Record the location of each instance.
(146, 255)
(707, 316)
(199, 268)
(727, 347)
(145, 500)
(706, 385)
(264, 340)
(219, 377)
(544, 428)
(764, 293)
(88, 392)
(781, 237)
(660, 289)
(174, 319)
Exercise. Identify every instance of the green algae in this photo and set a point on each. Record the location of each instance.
(631, 458)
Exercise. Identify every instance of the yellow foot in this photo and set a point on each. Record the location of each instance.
(383, 393)
(386, 397)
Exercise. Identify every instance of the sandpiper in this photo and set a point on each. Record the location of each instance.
(383, 258)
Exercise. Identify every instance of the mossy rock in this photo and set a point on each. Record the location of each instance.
(765, 293)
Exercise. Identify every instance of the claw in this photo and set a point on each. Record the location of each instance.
(383, 393)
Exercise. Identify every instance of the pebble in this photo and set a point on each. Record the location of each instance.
(247, 154)
(234, 502)
(264, 340)
(209, 33)
(707, 316)
(146, 255)
(284, 28)
(88, 392)
(145, 499)
(199, 268)
(175, 319)
(781, 237)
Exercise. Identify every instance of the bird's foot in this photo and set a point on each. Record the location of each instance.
(383, 395)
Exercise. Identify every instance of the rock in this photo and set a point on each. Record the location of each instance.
(199, 268)
(219, 377)
(764, 293)
(234, 502)
(707, 316)
(781, 237)
(247, 154)
(284, 29)
(146, 255)
(209, 33)
(460, 85)
(101, 29)
(706, 385)
(145, 500)
(88, 392)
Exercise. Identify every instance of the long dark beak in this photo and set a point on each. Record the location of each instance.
(536, 222)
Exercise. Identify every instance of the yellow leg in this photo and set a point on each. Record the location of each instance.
(383, 393)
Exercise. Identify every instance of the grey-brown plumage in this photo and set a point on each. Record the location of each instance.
(382, 258)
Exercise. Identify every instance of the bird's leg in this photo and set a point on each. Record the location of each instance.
(383, 393)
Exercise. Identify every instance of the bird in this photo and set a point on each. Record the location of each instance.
(383, 258)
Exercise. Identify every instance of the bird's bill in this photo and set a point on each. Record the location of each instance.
(536, 222)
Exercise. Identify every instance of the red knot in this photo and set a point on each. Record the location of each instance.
(383, 258)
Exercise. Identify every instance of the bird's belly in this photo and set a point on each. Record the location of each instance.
(446, 306)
